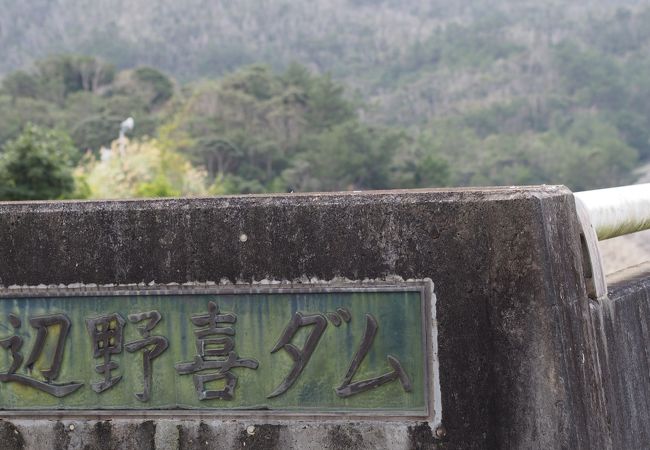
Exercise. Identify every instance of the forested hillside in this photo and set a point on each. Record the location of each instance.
(276, 95)
(199, 38)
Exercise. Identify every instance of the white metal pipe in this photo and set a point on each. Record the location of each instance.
(618, 211)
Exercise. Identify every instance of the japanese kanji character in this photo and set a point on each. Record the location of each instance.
(107, 333)
(15, 343)
(215, 353)
(153, 346)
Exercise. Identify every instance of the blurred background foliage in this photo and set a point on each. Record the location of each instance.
(322, 95)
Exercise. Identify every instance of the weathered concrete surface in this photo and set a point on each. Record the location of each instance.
(205, 434)
(623, 321)
(518, 359)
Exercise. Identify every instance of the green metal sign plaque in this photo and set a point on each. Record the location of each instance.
(311, 349)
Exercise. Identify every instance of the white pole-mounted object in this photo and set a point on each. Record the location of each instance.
(604, 214)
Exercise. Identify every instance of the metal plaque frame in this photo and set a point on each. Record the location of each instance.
(433, 408)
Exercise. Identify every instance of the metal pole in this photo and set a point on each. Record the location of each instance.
(618, 211)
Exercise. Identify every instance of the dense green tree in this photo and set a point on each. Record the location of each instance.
(145, 86)
(594, 78)
(14, 114)
(62, 75)
(419, 163)
(603, 158)
(348, 156)
(327, 105)
(248, 127)
(38, 165)
(160, 85)
(20, 84)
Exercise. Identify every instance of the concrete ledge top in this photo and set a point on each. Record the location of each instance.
(631, 279)
(349, 197)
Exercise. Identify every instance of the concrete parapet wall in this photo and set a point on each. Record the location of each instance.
(518, 348)
(623, 322)
(165, 434)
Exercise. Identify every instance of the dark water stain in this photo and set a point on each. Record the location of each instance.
(10, 437)
(345, 437)
(61, 436)
(421, 438)
(145, 435)
(265, 437)
(102, 436)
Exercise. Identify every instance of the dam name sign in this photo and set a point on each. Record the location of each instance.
(359, 349)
